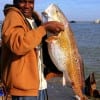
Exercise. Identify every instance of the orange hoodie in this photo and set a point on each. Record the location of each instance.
(19, 62)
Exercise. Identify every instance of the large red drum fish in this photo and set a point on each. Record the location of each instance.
(64, 52)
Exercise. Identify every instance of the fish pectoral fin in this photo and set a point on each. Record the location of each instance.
(51, 38)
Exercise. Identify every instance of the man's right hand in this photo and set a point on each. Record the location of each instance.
(53, 26)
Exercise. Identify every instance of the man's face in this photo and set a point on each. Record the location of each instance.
(26, 7)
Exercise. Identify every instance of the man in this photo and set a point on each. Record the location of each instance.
(22, 33)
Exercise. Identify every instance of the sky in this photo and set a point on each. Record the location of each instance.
(78, 10)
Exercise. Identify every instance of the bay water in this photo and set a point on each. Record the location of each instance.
(88, 39)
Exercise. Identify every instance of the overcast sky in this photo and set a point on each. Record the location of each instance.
(81, 10)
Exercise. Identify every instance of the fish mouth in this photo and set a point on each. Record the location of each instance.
(44, 14)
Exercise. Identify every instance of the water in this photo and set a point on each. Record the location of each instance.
(0, 28)
(88, 39)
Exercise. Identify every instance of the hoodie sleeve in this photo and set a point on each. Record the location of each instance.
(18, 37)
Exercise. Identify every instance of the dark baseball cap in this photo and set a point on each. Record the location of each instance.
(16, 1)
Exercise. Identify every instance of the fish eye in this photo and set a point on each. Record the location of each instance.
(57, 11)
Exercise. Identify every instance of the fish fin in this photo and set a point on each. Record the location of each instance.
(49, 39)
(64, 80)
(77, 97)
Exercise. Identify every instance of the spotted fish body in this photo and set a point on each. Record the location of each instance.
(64, 52)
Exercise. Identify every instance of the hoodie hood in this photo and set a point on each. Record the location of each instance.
(12, 8)
(34, 15)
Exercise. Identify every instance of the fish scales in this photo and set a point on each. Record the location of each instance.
(64, 52)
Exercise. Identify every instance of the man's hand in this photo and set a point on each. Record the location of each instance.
(53, 27)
